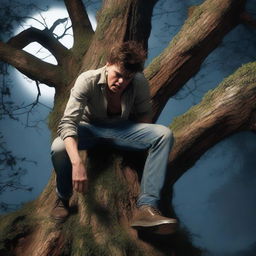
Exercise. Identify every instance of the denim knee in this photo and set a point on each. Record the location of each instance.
(59, 156)
(164, 132)
(62, 167)
(58, 146)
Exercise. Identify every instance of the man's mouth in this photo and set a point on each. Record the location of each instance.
(117, 86)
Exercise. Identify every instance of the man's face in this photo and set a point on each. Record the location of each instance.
(117, 79)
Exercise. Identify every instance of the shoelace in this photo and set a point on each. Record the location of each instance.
(155, 211)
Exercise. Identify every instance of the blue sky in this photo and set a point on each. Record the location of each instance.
(215, 198)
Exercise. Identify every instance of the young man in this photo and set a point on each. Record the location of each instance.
(99, 109)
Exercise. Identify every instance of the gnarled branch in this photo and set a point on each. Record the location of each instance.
(223, 111)
(31, 66)
(43, 37)
(199, 36)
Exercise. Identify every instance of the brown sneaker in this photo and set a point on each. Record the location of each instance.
(60, 210)
(150, 219)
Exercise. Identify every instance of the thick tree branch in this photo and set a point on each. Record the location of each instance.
(31, 66)
(119, 21)
(43, 37)
(139, 22)
(223, 111)
(199, 36)
(82, 28)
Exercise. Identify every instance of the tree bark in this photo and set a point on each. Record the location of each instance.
(43, 37)
(99, 223)
(103, 216)
(222, 112)
(228, 109)
(116, 23)
(82, 29)
(31, 66)
(201, 34)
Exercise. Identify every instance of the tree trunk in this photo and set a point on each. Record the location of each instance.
(99, 223)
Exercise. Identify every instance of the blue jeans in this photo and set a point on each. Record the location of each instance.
(157, 139)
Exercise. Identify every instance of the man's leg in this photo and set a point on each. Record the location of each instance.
(63, 169)
(158, 140)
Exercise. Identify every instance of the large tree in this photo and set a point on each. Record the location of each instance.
(99, 223)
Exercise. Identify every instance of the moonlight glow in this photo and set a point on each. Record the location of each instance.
(41, 21)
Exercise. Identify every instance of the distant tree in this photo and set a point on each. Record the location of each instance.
(11, 171)
(100, 223)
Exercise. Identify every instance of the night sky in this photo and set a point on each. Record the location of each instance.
(215, 199)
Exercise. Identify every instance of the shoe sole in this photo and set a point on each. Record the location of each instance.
(163, 228)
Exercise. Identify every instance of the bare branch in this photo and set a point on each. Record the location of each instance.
(31, 66)
(43, 23)
(43, 37)
(223, 111)
(57, 23)
(199, 36)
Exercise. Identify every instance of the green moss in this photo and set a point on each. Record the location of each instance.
(246, 74)
(80, 240)
(104, 180)
(106, 191)
(105, 17)
(243, 78)
(103, 58)
(185, 34)
(82, 44)
(154, 67)
(121, 240)
(15, 225)
(197, 12)
(181, 121)
(190, 22)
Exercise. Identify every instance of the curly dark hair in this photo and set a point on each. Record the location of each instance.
(130, 56)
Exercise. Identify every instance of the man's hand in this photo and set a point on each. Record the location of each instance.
(79, 173)
(79, 178)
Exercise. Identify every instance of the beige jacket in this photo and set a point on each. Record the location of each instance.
(88, 103)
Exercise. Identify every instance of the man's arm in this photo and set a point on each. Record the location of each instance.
(67, 130)
(79, 172)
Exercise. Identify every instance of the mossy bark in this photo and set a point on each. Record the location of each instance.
(227, 109)
(99, 223)
(201, 33)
